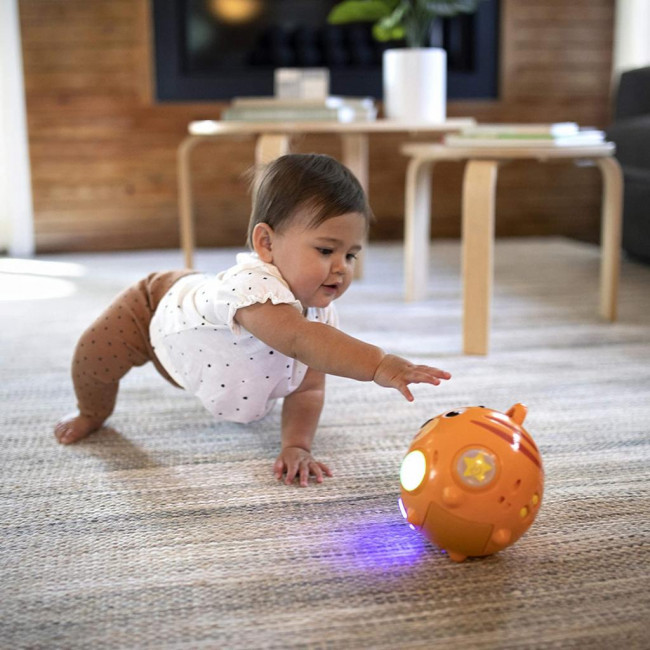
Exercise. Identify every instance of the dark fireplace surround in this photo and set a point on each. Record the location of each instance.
(201, 54)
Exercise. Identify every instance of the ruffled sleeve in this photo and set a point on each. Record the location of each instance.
(249, 282)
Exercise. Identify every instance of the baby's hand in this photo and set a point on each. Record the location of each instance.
(296, 461)
(395, 372)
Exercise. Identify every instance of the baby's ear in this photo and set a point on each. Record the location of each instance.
(263, 241)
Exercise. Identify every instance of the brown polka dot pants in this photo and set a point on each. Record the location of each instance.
(116, 342)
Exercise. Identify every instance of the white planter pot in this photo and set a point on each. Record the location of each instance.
(415, 84)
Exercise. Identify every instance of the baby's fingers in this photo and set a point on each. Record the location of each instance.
(278, 468)
(420, 375)
(434, 372)
(314, 468)
(305, 467)
(404, 389)
(291, 468)
(426, 375)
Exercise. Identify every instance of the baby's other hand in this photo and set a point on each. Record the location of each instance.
(395, 372)
(298, 462)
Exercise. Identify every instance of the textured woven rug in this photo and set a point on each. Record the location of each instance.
(168, 530)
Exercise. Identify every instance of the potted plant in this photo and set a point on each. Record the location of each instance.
(415, 77)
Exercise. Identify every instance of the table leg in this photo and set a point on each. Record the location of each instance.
(610, 238)
(185, 209)
(270, 146)
(417, 226)
(354, 150)
(479, 193)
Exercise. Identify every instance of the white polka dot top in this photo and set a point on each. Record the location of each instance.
(197, 340)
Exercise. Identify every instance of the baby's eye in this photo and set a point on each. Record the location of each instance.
(350, 257)
(325, 251)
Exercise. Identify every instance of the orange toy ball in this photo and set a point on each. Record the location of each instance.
(472, 480)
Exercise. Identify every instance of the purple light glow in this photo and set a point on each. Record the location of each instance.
(378, 546)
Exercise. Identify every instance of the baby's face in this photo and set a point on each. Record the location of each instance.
(318, 262)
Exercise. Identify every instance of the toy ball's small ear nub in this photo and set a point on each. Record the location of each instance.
(517, 413)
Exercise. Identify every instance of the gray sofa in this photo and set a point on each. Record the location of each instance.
(631, 133)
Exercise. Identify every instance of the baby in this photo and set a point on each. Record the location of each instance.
(264, 329)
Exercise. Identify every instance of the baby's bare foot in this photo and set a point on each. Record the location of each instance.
(74, 427)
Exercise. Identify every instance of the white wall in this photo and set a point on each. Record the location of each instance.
(16, 208)
(631, 35)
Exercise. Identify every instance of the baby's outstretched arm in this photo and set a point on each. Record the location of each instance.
(328, 350)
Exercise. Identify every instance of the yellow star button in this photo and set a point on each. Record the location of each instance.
(477, 467)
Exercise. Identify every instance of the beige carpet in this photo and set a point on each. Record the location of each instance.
(167, 530)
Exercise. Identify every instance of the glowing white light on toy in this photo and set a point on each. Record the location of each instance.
(414, 467)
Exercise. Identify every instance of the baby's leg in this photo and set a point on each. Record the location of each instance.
(108, 349)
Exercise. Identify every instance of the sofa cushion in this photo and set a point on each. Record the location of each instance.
(633, 94)
(636, 213)
(632, 138)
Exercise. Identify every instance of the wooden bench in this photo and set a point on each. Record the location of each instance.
(478, 208)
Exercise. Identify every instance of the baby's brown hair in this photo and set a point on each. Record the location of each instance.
(312, 181)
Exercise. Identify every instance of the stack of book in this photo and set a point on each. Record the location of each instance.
(560, 134)
(274, 109)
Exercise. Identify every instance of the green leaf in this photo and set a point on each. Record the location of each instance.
(383, 34)
(398, 19)
(351, 11)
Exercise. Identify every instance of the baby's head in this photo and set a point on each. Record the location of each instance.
(307, 184)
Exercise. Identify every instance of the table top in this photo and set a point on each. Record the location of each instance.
(427, 151)
(208, 128)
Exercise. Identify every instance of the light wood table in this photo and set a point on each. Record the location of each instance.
(273, 139)
(478, 208)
